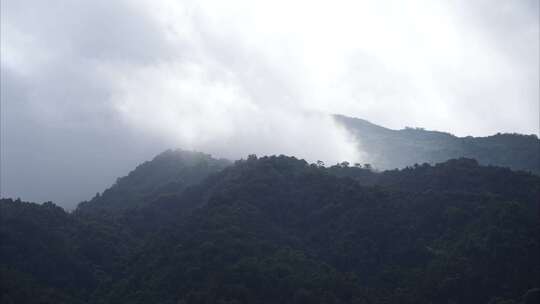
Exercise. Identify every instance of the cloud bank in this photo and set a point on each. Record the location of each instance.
(90, 88)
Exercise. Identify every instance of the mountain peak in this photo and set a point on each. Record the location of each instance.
(170, 172)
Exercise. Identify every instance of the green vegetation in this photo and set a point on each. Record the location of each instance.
(390, 149)
(168, 173)
(280, 230)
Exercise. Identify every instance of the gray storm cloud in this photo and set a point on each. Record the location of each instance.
(91, 88)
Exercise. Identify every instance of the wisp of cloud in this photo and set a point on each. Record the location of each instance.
(114, 82)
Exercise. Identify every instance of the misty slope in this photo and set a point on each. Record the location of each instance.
(280, 222)
(389, 149)
(278, 230)
(168, 173)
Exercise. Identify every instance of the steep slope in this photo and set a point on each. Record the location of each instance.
(168, 173)
(265, 220)
(389, 149)
(278, 230)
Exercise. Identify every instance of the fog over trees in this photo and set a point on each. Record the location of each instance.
(262, 152)
(90, 89)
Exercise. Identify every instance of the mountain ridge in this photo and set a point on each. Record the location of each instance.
(278, 229)
(167, 173)
(389, 149)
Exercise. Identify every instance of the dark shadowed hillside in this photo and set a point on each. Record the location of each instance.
(279, 230)
(389, 149)
(168, 173)
(50, 256)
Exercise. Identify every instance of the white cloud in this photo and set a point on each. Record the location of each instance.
(238, 77)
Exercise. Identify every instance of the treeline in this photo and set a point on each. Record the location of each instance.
(388, 149)
(280, 230)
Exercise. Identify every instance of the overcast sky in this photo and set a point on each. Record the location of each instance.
(91, 88)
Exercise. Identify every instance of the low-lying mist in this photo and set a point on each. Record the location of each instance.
(89, 89)
(221, 116)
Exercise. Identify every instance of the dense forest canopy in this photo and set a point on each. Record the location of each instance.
(169, 172)
(187, 228)
(389, 149)
(339, 210)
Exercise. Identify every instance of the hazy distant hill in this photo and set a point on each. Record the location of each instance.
(168, 173)
(279, 230)
(389, 149)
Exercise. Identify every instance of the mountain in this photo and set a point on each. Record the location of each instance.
(389, 149)
(50, 256)
(168, 173)
(279, 230)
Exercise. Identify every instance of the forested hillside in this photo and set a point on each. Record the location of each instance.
(279, 230)
(390, 149)
(168, 173)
